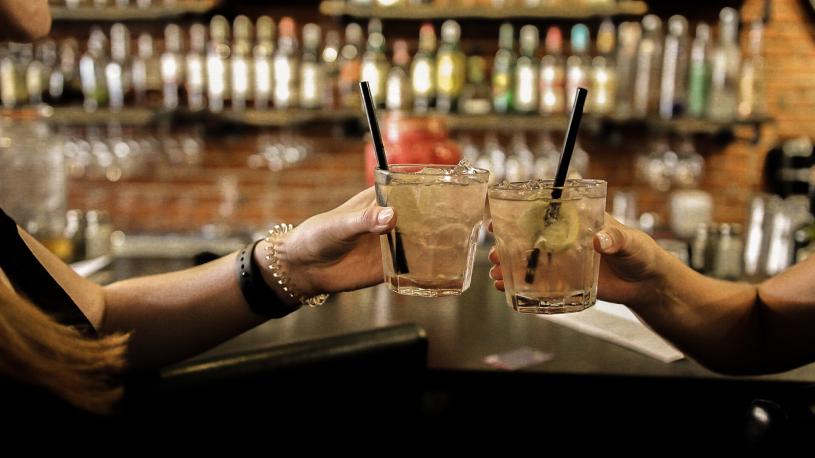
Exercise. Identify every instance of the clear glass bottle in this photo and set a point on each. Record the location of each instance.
(375, 67)
(92, 71)
(552, 75)
(286, 63)
(578, 64)
(546, 157)
(399, 94)
(503, 68)
(647, 77)
(525, 98)
(329, 60)
(218, 52)
(240, 75)
(350, 66)
(520, 165)
(751, 85)
(312, 77)
(629, 34)
(674, 69)
(450, 71)
(725, 68)
(171, 66)
(195, 74)
(423, 70)
(699, 72)
(262, 62)
(603, 77)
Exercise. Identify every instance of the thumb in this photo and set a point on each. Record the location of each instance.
(373, 219)
(612, 240)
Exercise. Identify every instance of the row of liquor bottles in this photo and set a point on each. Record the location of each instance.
(633, 70)
(73, 4)
(484, 3)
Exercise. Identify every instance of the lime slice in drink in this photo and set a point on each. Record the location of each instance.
(558, 235)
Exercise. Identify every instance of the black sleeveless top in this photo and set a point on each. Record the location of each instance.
(33, 281)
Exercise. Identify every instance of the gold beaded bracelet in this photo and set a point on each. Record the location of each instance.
(275, 235)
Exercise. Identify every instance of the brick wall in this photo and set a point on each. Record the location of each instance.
(187, 197)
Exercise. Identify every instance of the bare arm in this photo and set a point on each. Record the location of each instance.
(730, 327)
(177, 315)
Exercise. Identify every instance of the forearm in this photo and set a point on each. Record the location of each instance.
(177, 315)
(721, 324)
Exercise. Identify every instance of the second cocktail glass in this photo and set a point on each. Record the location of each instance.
(547, 258)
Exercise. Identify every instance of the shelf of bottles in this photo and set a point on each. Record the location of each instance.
(427, 10)
(260, 73)
(124, 10)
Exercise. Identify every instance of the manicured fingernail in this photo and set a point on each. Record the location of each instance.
(384, 216)
(605, 241)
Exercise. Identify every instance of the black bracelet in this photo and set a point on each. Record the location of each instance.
(262, 299)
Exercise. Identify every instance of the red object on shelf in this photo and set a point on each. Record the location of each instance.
(412, 140)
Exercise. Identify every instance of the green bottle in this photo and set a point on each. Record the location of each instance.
(502, 70)
(699, 73)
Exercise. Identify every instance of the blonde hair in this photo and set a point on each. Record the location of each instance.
(37, 350)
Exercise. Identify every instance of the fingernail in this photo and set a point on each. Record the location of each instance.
(605, 241)
(384, 216)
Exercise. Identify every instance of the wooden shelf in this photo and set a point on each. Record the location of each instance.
(132, 13)
(77, 116)
(299, 116)
(429, 12)
(291, 117)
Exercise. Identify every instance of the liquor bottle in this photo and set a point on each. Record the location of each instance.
(526, 71)
(375, 67)
(262, 62)
(552, 76)
(450, 71)
(399, 93)
(626, 66)
(476, 97)
(195, 75)
(69, 62)
(118, 71)
(171, 66)
(242, 29)
(92, 71)
(423, 70)
(503, 68)
(286, 63)
(603, 79)
(579, 167)
(216, 63)
(725, 68)
(240, 64)
(331, 69)
(751, 85)
(520, 164)
(649, 57)
(546, 157)
(241, 73)
(53, 78)
(311, 69)
(674, 69)
(350, 63)
(699, 72)
(34, 78)
(577, 65)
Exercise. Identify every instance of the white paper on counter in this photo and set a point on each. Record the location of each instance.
(617, 324)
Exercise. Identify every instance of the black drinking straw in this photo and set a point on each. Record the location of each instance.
(560, 176)
(397, 251)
